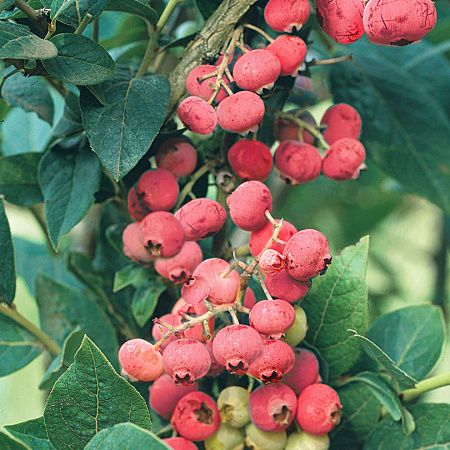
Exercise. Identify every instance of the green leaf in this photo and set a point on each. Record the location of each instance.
(61, 363)
(72, 12)
(145, 300)
(336, 302)
(32, 432)
(139, 8)
(70, 122)
(401, 379)
(432, 430)
(114, 236)
(11, 443)
(63, 308)
(7, 264)
(413, 337)
(16, 13)
(29, 93)
(125, 276)
(122, 131)
(7, 4)
(18, 347)
(405, 129)
(127, 435)
(207, 7)
(19, 179)
(97, 91)
(69, 175)
(80, 60)
(89, 397)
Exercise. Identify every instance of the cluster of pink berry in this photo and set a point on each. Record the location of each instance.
(386, 22)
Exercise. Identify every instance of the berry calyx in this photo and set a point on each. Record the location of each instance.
(197, 115)
(285, 15)
(195, 289)
(233, 405)
(132, 246)
(271, 261)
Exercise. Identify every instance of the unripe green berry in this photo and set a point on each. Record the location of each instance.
(257, 439)
(297, 332)
(305, 441)
(225, 438)
(233, 405)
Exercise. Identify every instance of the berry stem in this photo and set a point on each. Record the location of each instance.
(258, 30)
(84, 23)
(35, 16)
(425, 386)
(190, 184)
(326, 62)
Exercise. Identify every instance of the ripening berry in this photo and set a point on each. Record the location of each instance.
(272, 407)
(260, 238)
(344, 160)
(250, 160)
(140, 360)
(282, 285)
(398, 23)
(197, 115)
(236, 347)
(233, 405)
(272, 317)
(287, 129)
(271, 261)
(161, 234)
(132, 246)
(249, 299)
(181, 266)
(195, 289)
(165, 394)
(277, 360)
(342, 121)
(216, 368)
(177, 156)
(263, 440)
(305, 441)
(285, 15)
(241, 112)
(342, 20)
(201, 218)
(197, 331)
(307, 254)
(186, 360)
(223, 289)
(297, 332)
(205, 88)
(180, 443)
(196, 416)
(225, 438)
(319, 409)
(304, 372)
(297, 162)
(248, 204)
(181, 307)
(137, 209)
(291, 51)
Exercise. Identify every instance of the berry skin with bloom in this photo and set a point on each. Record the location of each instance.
(318, 409)
(285, 15)
(140, 360)
(132, 246)
(197, 115)
(205, 88)
(291, 52)
(233, 405)
(341, 121)
(236, 347)
(195, 290)
(307, 254)
(248, 204)
(271, 261)
(341, 20)
(225, 438)
(264, 440)
(259, 238)
(241, 112)
(282, 285)
(196, 416)
(272, 317)
(287, 129)
(180, 443)
(297, 162)
(165, 394)
(177, 156)
(186, 360)
(250, 160)
(297, 332)
(304, 372)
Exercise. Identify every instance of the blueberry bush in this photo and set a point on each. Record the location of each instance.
(207, 175)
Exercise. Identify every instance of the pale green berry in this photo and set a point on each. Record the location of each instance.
(233, 405)
(297, 332)
(305, 441)
(257, 439)
(226, 438)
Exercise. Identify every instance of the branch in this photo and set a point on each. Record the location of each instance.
(425, 386)
(33, 15)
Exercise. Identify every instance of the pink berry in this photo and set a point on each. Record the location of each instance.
(249, 299)
(287, 129)
(398, 23)
(260, 238)
(197, 331)
(161, 234)
(236, 347)
(223, 289)
(136, 207)
(271, 261)
(132, 246)
(278, 359)
(291, 52)
(282, 285)
(257, 70)
(342, 121)
(248, 204)
(250, 160)
(205, 88)
(297, 162)
(197, 115)
(201, 218)
(140, 360)
(272, 407)
(180, 443)
(272, 317)
(240, 112)
(181, 307)
(318, 409)
(307, 254)
(344, 160)
(304, 372)
(216, 368)
(341, 20)
(186, 360)
(284, 15)
(196, 416)
(180, 267)
(195, 289)
(165, 394)
(177, 156)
